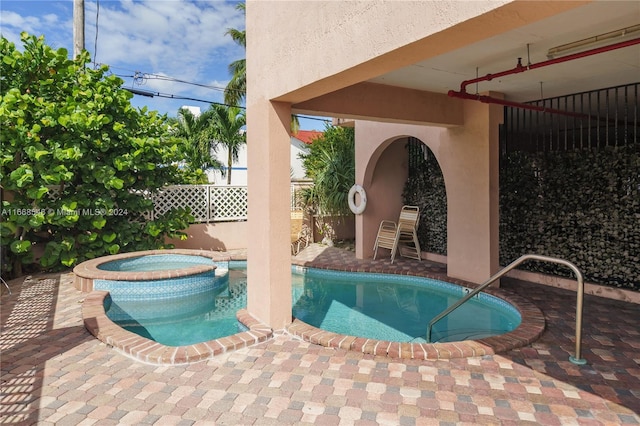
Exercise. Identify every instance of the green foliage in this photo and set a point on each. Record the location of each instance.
(78, 162)
(199, 143)
(220, 125)
(425, 188)
(583, 206)
(236, 89)
(226, 125)
(331, 165)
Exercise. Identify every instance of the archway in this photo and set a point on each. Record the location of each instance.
(401, 170)
(425, 188)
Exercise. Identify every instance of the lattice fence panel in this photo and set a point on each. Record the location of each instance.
(194, 196)
(210, 203)
(297, 190)
(228, 202)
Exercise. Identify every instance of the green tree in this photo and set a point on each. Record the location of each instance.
(236, 90)
(330, 163)
(227, 127)
(78, 162)
(199, 141)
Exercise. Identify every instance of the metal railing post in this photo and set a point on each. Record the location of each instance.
(576, 359)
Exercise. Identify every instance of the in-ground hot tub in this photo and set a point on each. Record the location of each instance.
(105, 273)
(152, 276)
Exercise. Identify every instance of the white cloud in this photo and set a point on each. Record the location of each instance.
(168, 36)
(56, 27)
(177, 38)
(50, 19)
(27, 23)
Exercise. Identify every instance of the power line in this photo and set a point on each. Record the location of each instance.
(151, 94)
(140, 79)
(177, 80)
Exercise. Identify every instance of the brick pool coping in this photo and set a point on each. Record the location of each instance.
(98, 324)
(146, 350)
(531, 326)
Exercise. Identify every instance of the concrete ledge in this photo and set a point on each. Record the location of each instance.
(620, 294)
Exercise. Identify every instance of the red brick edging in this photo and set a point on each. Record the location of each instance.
(531, 326)
(529, 330)
(143, 349)
(96, 321)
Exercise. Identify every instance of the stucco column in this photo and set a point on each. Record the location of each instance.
(473, 193)
(269, 252)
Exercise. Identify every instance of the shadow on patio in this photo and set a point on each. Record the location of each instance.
(610, 343)
(34, 331)
(54, 372)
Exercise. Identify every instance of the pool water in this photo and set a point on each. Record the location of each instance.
(375, 306)
(396, 308)
(182, 320)
(157, 262)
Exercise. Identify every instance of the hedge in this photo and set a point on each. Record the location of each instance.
(582, 206)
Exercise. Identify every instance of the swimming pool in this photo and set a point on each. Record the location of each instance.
(253, 331)
(372, 306)
(395, 308)
(185, 319)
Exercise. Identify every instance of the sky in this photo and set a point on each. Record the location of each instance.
(150, 44)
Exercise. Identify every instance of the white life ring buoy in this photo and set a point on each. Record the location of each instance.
(357, 189)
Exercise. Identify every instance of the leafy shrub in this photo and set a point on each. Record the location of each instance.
(582, 206)
(331, 165)
(78, 162)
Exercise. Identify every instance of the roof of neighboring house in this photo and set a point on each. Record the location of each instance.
(307, 136)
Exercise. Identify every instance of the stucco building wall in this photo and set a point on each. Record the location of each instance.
(468, 157)
(316, 57)
(217, 236)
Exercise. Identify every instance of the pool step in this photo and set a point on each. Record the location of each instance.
(467, 334)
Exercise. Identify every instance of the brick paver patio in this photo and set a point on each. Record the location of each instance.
(55, 372)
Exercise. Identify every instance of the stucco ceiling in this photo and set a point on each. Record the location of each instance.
(445, 72)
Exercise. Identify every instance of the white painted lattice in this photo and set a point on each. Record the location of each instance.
(194, 196)
(211, 203)
(297, 188)
(228, 202)
(208, 203)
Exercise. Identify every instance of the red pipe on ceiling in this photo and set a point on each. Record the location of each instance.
(491, 100)
(522, 68)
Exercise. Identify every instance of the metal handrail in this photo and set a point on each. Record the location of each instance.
(580, 295)
(6, 285)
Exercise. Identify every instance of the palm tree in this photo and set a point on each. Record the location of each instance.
(227, 126)
(199, 136)
(236, 89)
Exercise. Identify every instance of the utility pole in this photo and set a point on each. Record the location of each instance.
(78, 27)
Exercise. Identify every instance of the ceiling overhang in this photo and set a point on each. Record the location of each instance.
(372, 101)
